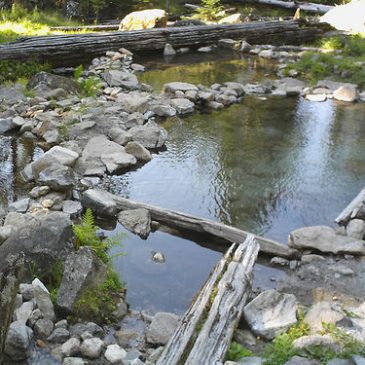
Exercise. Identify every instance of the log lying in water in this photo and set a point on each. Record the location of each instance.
(207, 327)
(70, 49)
(352, 209)
(189, 223)
(309, 7)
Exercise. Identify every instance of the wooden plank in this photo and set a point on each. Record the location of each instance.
(70, 49)
(207, 327)
(186, 222)
(352, 209)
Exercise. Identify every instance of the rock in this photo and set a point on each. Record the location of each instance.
(206, 49)
(172, 87)
(115, 353)
(245, 338)
(340, 362)
(169, 50)
(158, 257)
(57, 177)
(20, 206)
(5, 233)
(151, 137)
(74, 361)
(163, 110)
(43, 299)
(23, 313)
(134, 102)
(231, 19)
(358, 360)
(59, 335)
(91, 328)
(34, 317)
(137, 221)
(71, 347)
(324, 239)
(121, 311)
(251, 360)
(101, 202)
(122, 79)
(266, 53)
(72, 208)
(61, 324)
(322, 312)
(92, 347)
(83, 270)
(356, 228)
(138, 151)
(307, 259)
(43, 328)
(6, 125)
(280, 261)
(271, 313)
(12, 94)
(119, 136)
(182, 105)
(229, 44)
(115, 162)
(332, 86)
(61, 155)
(44, 81)
(347, 93)
(316, 97)
(298, 360)
(145, 19)
(162, 328)
(245, 47)
(325, 341)
(39, 191)
(27, 292)
(18, 340)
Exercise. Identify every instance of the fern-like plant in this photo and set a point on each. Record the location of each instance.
(89, 86)
(86, 235)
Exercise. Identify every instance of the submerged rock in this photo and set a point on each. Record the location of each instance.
(137, 221)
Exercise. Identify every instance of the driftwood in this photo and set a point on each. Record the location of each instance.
(309, 7)
(207, 327)
(189, 223)
(71, 49)
(352, 209)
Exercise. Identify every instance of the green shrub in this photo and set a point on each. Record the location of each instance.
(211, 10)
(236, 352)
(89, 86)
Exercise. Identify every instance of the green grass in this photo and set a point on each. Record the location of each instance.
(348, 65)
(236, 352)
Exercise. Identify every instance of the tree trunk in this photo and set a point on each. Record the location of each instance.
(63, 50)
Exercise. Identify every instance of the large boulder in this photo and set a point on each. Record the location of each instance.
(57, 177)
(325, 239)
(152, 137)
(18, 341)
(43, 239)
(145, 19)
(83, 269)
(271, 313)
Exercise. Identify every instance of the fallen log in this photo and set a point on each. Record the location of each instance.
(352, 209)
(90, 28)
(197, 7)
(71, 49)
(207, 327)
(190, 223)
(308, 7)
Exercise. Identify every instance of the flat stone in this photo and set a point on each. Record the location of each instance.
(271, 313)
(72, 207)
(162, 328)
(59, 335)
(298, 360)
(121, 78)
(115, 162)
(120, 136)
(316, 97)
(137, 221)
(23, 313)
(152, 137)
(133, 102)
(100, 201)
(20, 206)
(61, 155)
(182, 105)
(229, 44)
(172, 87)
(325, 239)
(163, 110)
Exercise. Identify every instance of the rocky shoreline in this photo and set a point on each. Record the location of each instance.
(116, 132)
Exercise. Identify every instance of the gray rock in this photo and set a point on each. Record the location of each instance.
(43, 299)
(137, 221)
(61, 155)
(151, 137)
(34, 317)
(74, 361)
(132, 357)
(121, 78)
(340, 362)
(322, 312)
(347, 93)
(83, 269)
(101, 202)
(43, 328)
(59, 335)
(358, 360)
(92, 348)
(280, 261)
(138, 151)
(6, 125)
(72, 207)
(18, 340)
(27, 292)
(134, 120)
(57, 177)
(162, 328)
(251, 360)
(50, 81)
(158, 257)
(298, 360)
(12, 94)
(245, 338)
(206, 49)
(169, 50)
(120, 136)
(245, 47)
(229, 44)
(182, 105)
(20, 206)
(307, 259)
(116, 162)
(61, 324)
(39, 191)
(324, 239)
(134, 102)
(114, 353)
(5, 233)
(306, 342)
(92, 328)
(271, 313)
(23, 313)
(172, 87)
(356, 228)
(71, 347)
(163, 110)
(121, 311)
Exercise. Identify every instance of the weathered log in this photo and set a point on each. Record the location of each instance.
(196, 7)
(90, 28)
(309, 7)
(207, 327)
(9, 283)
(190, 223)
(70, 49)
(352, 209)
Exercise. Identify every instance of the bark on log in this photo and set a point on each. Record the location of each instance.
(90, 28)
(71, 49)
(309, 7)
(352, 209)
(9, 283)
(190, 223)
(196, 7)
(203, 338)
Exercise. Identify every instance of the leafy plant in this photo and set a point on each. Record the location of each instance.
(236, 352)
(211, 10)
(89, 86)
